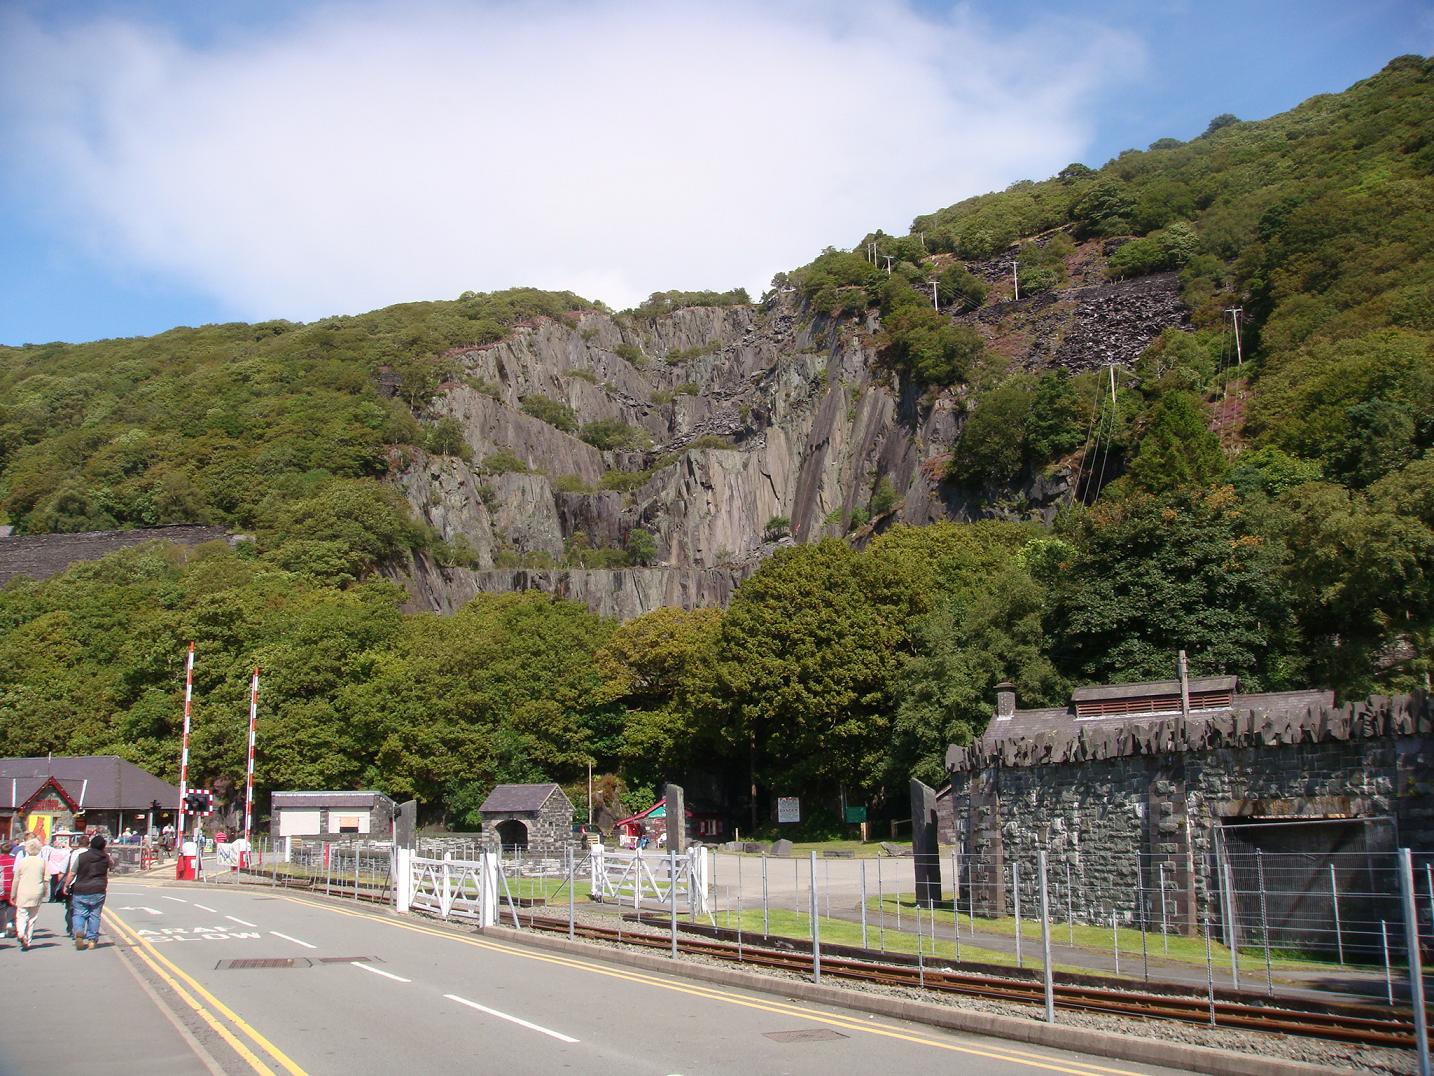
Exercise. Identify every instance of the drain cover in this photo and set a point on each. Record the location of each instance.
(809, 1034)
(345, 960)
(249, 963)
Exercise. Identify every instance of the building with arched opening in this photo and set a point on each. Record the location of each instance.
(536, 819)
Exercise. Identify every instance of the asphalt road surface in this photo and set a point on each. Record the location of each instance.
(335, 988)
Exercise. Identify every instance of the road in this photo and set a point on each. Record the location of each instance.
(359, 990)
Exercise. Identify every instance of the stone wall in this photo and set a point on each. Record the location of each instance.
(1103, 814)
(40, 556)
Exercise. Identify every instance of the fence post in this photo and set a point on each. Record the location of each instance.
(1209, 967)
(766, 912)
(1388, 975)
(1416, 970)
(1140, 897)
(1264, 921)
(487, 888)
(956, 902)
(1334, 902)
(1070, 906)
(1164, 922)
(880, 910)
(1232, 925)
(572, 884)
(672, 897)
(1016, 900)
(403, 882)
(816, 925)
(1115, 940)
(862, 867)
(597, 877)
(356, 873)
(1046, 972)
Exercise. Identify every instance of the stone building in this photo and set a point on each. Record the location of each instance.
(332, 815)
(537, 819)
(1160, 787)
(82, 792)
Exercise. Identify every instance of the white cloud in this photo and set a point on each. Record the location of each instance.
(363, 155)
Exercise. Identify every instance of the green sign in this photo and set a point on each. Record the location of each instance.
(856, 814)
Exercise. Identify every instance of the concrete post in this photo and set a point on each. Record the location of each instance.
(487, 888)
(676, 807)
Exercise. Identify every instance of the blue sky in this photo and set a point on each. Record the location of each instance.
(178, 164)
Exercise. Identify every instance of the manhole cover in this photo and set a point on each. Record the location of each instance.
(254, 963)
(345, 960)
(810, 1034)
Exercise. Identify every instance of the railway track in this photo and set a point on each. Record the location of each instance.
(1362, 1025)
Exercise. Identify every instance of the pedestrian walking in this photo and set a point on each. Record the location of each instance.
(57, 859)
(7, 878)
(87, 883)
(27, 891)
(79, 848)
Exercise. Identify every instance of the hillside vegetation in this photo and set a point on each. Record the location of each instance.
(1270, 511)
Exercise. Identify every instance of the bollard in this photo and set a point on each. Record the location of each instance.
(1016, 900)
(816, 926)
(1416, 970)
(1046, 972)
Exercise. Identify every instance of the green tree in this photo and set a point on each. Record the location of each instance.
(1178, 449)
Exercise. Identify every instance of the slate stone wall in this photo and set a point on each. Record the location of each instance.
(550, 830)
(1116, 819)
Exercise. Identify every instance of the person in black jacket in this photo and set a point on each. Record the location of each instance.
(86, 882)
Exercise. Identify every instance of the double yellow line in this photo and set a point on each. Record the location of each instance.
(209, 1008)
(835, 1020)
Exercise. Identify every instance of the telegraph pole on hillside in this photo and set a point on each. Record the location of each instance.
(1016, 280)
(934, 303)
(889, 259)
(1235, 312)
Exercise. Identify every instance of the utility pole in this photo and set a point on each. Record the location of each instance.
(934, 303)
(590, 793)
(889, 259)
(1016, 280)
(1235, 312)
(923, 240)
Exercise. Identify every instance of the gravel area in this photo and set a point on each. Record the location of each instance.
(1331, 1055)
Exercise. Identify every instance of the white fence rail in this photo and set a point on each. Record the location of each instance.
(630, 877)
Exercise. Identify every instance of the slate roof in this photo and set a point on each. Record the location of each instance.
(113, 783)
(518, 799)
(1027, 724)
(310, 800)
(1151, 687)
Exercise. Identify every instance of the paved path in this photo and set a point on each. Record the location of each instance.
(362, 991)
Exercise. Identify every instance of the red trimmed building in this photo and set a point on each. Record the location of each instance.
(80, 793)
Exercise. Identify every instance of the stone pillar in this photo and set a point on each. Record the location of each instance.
(1167, 839)
(676, 819)
(925, 846)
(986, 847)
(406, 823)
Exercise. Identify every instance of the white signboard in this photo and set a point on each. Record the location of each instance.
(789, 809)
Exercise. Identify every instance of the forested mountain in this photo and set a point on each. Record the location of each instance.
(902, 482)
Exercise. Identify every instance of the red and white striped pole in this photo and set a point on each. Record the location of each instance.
(249, 773)
(184, 752)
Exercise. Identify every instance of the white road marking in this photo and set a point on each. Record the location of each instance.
(241, 922)
(176, 900)
(141, 908)
(511, 1019)
(206, 908)
(380, 971)
(296, 941)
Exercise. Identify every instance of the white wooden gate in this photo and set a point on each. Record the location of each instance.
(630, 877)
(450, 888)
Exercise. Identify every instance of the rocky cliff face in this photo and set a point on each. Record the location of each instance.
(765, 426)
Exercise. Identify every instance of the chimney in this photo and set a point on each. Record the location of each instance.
(1005, 700)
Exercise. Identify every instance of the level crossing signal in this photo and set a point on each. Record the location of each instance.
(199, 801)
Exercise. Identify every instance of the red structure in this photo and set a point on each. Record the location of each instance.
(652, 824)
